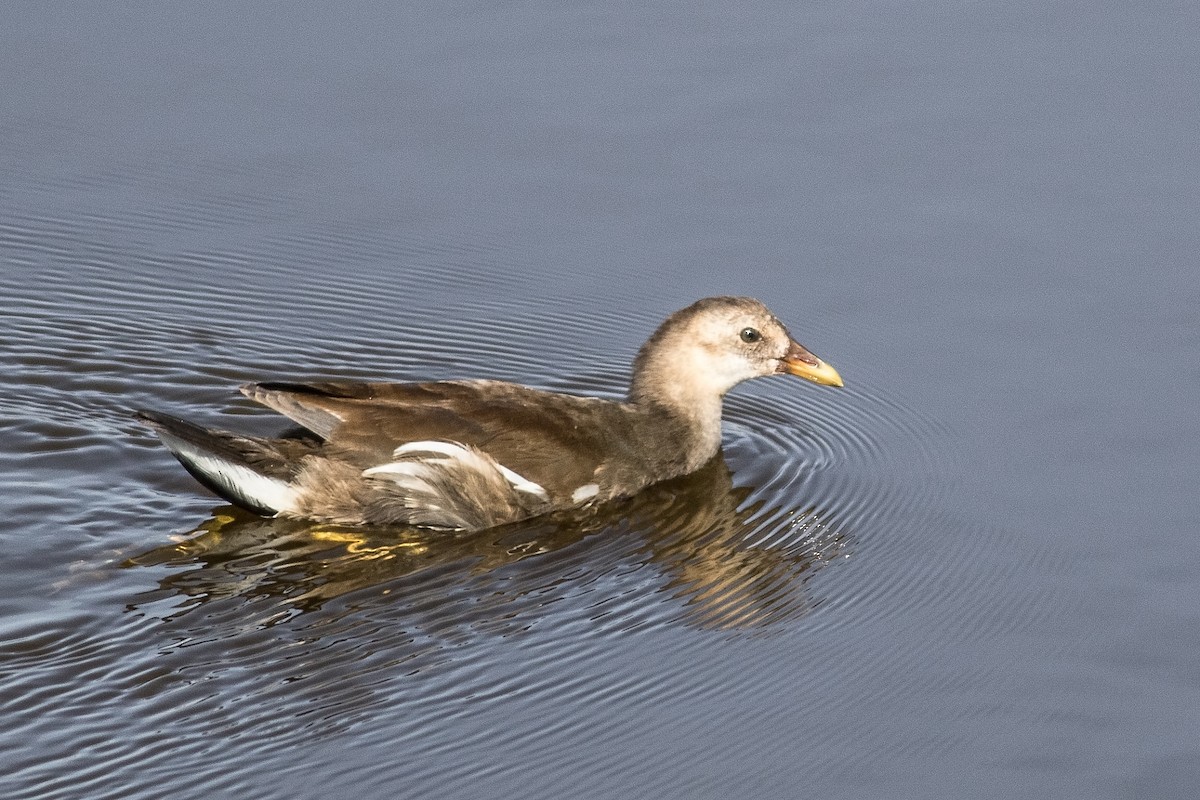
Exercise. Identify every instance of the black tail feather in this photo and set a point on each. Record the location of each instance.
(217, 458)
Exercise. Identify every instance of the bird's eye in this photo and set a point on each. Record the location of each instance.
(750, 335)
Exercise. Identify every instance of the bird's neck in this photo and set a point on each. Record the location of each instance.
(687, 408)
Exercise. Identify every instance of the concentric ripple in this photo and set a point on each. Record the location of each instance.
(162, 600)
(808, 471)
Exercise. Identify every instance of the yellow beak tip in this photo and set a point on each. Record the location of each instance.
(820, 373)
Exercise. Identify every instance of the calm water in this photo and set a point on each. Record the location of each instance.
(972, 573)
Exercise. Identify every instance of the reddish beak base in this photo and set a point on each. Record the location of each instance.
(803, 364)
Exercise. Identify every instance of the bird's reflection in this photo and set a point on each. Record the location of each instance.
(723, 559)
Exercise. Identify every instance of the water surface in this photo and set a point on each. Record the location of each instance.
(970, 573)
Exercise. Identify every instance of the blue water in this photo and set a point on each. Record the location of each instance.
(973, 573)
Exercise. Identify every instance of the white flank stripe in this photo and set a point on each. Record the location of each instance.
(471, 459)
(448, 449)
(411, 475)
(417, 469)
(585, 492)
(521, 483)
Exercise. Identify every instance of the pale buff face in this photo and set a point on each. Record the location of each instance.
(719, 350)
(701, 352)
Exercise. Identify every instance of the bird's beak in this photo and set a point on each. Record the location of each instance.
(803, 364)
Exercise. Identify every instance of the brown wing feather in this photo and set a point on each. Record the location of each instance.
(558, 441)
